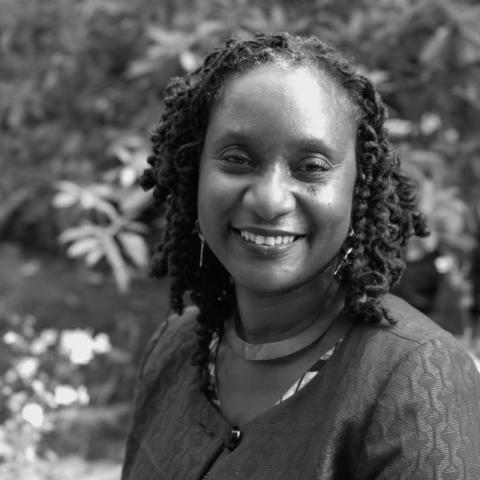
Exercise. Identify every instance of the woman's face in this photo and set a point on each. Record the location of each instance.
(277, 174)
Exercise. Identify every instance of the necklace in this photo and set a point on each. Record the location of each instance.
(288, 346)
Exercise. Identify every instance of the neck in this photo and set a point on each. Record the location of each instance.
(271, 318)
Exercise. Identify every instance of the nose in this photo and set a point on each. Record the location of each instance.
(270, 194)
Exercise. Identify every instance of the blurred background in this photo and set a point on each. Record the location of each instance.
(81, 83)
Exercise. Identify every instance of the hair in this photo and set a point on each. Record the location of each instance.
(384, 211)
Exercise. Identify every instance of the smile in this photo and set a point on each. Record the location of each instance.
(266, 240)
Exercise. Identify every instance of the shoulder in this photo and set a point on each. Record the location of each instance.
(426, 392)
(414, 344)
(411, 325)
(411, 331)
(429, 351)
(175, 337)
(418, 334)
(180, 326)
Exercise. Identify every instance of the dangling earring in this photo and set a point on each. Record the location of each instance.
(202, 249)
(344, 259)
(202, 244)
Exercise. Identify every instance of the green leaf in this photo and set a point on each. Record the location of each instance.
(117, 264)
(143, 67)
(434, 49)
(66, 186)
(135, 248)
(82, 246)
(133, 202)
(92, 257)
(137, 227)
(105, 207)
(75, 233)
(64, 200)
(170, 38)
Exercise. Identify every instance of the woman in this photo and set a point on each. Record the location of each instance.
(286, 218)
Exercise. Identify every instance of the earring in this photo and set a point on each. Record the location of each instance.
(202, 244)
(344, 259)
(202, 249)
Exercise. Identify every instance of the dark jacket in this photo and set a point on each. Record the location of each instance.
(393, 402)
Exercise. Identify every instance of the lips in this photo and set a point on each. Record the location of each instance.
(266, 238)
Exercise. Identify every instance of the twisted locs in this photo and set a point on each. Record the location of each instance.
(384, 213)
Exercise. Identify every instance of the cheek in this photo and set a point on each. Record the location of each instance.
(214, 197)
(332, 205)
(204, 199)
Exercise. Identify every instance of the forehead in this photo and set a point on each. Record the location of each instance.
(296, 100)
(281, 75)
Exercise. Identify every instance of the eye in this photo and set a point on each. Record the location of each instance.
(312, 167)
(236, 158)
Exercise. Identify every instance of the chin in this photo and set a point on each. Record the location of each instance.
(267, 283)
(278, 281)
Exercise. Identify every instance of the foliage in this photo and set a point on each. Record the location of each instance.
(106, 213)
(44, 372)
(81, 84)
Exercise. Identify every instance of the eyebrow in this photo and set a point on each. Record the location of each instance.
(316, 145)
(307, 144)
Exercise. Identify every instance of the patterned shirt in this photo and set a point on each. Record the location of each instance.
(395, 401)
(303, 380)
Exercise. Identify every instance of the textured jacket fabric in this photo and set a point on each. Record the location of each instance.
(393, 402)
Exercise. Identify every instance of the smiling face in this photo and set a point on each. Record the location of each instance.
(276, 179)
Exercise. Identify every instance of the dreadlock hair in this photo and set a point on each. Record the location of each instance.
(384, 212)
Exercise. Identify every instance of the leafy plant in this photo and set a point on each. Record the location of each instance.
(107, 228)
(81, 84)
(115, 59)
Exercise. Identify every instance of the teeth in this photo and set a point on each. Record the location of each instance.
(259, 239)
(262, 240)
